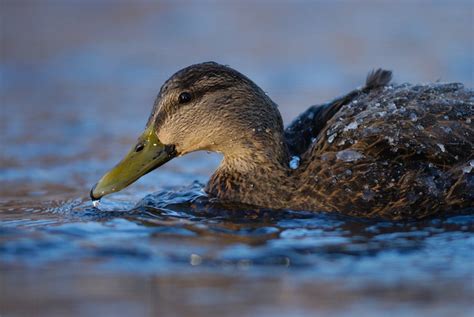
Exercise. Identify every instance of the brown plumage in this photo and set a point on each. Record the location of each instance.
(396, 152)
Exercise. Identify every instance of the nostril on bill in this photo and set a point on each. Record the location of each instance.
(139, 147)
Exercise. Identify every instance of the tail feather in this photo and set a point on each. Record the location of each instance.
(378, 78)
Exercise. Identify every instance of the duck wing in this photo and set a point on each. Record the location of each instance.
(403, 151)
(302, 132)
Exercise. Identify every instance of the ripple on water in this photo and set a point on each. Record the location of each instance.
(171, 229)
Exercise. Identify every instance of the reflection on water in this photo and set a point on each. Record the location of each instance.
(75, 94)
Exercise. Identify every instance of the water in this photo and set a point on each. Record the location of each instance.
(180, 241)
(75, 95)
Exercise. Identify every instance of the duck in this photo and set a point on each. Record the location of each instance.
(388, 151)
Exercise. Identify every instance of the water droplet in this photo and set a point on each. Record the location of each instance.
(96, 203)
(391, 141)
(294, 162)
(446, 129)
(331, 137)
(367, 194)
(351, 126)
(467, 169)
(195, 259)
(413, 117)
(349, 155)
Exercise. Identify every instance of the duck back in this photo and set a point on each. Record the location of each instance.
(390, 151)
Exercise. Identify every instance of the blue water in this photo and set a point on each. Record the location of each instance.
(77, 85)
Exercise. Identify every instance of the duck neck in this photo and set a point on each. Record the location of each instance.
(254, 172)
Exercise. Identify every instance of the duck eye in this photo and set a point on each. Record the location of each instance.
(184, 97)
(139, 147)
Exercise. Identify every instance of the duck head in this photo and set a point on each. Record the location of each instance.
(208, 107)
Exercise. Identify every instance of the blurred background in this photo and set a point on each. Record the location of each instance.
(77, 83)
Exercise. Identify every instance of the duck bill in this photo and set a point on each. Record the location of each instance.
(148, 154)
